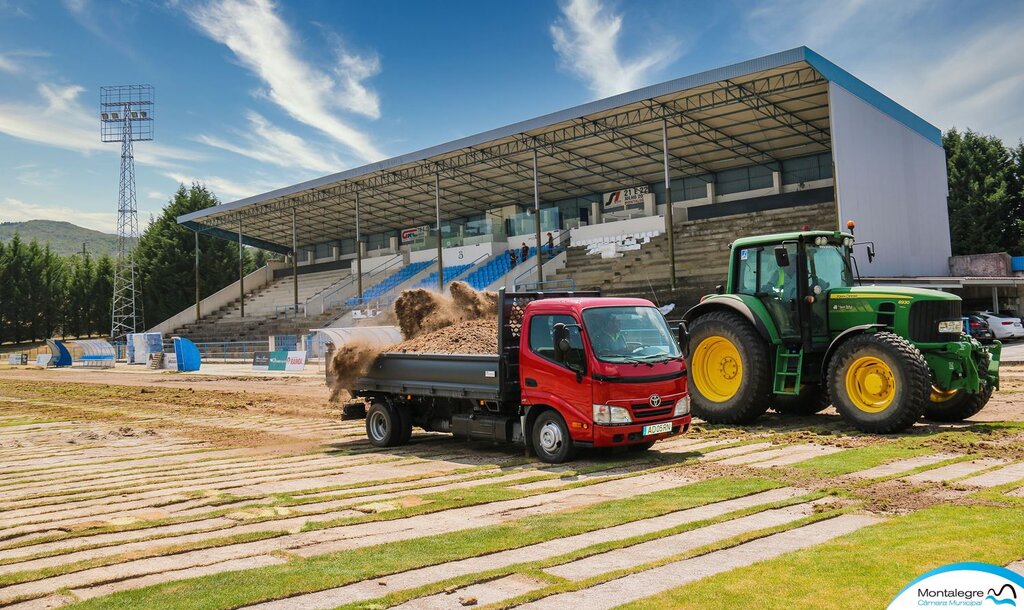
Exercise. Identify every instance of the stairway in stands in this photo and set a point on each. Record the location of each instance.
(702, 256)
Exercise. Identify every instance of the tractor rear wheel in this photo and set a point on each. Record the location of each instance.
(812, 399)
(955, 405)
(879, 382)
(730, 371)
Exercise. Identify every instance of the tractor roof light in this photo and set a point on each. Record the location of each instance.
(848, 242)
(820, 241)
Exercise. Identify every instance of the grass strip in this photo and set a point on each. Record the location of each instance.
(234, 589)
(864, 569)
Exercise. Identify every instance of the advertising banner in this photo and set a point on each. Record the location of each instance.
(261, 361)
(278, 360)
(296, 361)
(414, 233)
(625, 198)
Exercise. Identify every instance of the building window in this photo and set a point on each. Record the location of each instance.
(806, 169)
(695, 188)
(743, 179)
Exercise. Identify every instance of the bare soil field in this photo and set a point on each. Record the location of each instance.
(123, 490)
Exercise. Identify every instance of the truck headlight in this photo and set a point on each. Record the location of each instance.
(951, 326)
(682, 407)
(607, 414)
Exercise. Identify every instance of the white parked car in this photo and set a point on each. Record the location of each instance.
(1004, 327)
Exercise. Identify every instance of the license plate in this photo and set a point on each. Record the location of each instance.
(658, 428)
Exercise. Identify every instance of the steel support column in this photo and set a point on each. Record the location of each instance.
(437, 212)
(536, 220)
(359, 254)
(669, 223)
(241, 270)
(995, 299)
(199, 312)
(295, 263)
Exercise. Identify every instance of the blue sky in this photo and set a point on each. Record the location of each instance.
(254, 94)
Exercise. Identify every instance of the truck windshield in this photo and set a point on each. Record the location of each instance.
(629, 334)
(828, 267)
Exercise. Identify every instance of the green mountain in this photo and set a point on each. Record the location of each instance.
(63, 237)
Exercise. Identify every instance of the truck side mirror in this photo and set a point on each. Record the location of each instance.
(871, 253)
(781, 256)
(560, 341)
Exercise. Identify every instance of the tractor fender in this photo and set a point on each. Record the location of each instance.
(727, 302)
(843, 336)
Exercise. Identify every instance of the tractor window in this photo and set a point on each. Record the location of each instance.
(748, 270)
(761, 276)
(828, 267)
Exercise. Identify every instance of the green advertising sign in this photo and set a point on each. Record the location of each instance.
(278, 360)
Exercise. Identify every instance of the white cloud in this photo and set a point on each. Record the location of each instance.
(8, 65)
(264, 141)
(63, 122)
(156, 195)
(965, 75)
(16, 210)
(11, 61)
(224, 188)
(264, 44)
(586, 37)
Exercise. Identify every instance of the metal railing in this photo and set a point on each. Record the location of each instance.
(326, 304)
(539, 260)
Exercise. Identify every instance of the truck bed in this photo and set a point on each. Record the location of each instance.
(474, 376)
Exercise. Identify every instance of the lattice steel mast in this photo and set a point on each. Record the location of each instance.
(126, 114)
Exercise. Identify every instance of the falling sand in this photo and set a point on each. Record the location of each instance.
(463, 323)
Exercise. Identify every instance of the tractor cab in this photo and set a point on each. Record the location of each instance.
(791, 274)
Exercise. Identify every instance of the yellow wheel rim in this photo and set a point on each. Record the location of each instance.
(938, 395)
(717, 369)
(870, 384)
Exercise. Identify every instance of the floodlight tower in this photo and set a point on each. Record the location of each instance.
(126, 116)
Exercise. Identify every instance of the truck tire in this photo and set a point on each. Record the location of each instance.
(385, 425)
(956, 407)
(879, 382)
(813, 398)
(551, 440)
(730, 370)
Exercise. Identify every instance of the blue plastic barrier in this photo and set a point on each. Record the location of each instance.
(61, 355)
(186, 354)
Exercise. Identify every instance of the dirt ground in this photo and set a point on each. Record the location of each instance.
(114, 481)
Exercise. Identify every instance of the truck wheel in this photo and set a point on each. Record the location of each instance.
(551, 438)
(957, 405)
(812, 399)
(879, 382)
(729, 368)
(385, 425)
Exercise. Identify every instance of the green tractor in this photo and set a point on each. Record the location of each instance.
(792, 332)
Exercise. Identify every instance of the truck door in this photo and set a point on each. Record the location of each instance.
(564, 385)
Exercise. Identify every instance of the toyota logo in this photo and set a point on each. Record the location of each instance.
(655, 400)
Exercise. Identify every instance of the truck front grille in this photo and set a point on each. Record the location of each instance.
(925, 317)
(643, 410)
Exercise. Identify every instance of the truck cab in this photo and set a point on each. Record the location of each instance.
(609, 368)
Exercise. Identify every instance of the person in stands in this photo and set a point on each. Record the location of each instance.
(526, 252)
(551, 244)
(512, 258)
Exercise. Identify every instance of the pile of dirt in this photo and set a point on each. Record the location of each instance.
(464, 323)
(469, 337)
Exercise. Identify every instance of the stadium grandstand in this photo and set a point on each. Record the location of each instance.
(639, 194)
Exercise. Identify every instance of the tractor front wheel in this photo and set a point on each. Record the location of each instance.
(730, 370)
(879, 382)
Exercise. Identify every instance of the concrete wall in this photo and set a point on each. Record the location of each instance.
(981, 265)
(892, 182)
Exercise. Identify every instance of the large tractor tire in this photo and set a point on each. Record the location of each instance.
(879, 382)
(730, 371)
(813, 398)
(957, 405)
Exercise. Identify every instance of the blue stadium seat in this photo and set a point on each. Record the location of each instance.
(451, 273)
(391, 282)
(495, 269)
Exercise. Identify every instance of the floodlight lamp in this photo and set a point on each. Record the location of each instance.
(104, 116)
(113, 115)
(135, 115)
(144, 114)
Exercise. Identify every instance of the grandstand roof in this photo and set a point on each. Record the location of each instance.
(750, 113)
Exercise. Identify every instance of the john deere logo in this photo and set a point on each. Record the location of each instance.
(655, 400)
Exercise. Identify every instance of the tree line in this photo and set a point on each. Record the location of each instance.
(44, 295)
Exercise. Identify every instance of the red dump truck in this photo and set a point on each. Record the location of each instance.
(572, 370)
